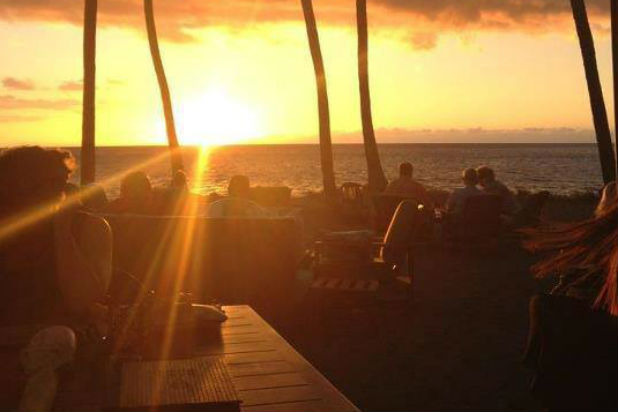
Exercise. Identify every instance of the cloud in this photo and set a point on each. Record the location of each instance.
(424, 40)
(9, 102)
(426, 19)
(71, 86)
(11, 83)
(18, 118)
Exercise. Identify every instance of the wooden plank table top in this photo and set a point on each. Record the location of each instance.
(268, 373)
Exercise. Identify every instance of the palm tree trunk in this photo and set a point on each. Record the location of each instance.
(326, 149)
(597, 104)
(87, 170)
(377, 180)
(172, 139)
(614, 20)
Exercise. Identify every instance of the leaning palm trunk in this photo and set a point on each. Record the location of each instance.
(377, 180)
(597, 104)
(326, 149)
(614, 14)
(87, 170)
(170, 127)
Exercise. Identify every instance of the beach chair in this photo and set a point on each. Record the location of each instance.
(479, 222)
(355, 266)
(530, 214)
(271, 196)
(351, 207)
(352, 193)
(384, 207)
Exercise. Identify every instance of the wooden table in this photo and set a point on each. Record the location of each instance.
(269, 375)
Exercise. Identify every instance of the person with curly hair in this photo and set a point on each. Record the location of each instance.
(55, 268)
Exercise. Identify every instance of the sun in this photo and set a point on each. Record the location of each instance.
(215, 118)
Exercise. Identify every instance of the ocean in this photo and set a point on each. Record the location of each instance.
(559, 168)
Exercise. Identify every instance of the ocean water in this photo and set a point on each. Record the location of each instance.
(560, 168)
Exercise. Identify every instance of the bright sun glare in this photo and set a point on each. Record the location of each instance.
(216, 118)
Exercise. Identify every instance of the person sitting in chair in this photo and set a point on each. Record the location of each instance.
(573, 329)
(489, 185)
(456, 200)
(406, 186)
(55, 267)
(238, 203)
(136, 195)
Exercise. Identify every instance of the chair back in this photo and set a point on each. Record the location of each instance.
(480, 218)
(384, 206)
(533, 207)
(232, 260)
(271, 196)
(352, 193)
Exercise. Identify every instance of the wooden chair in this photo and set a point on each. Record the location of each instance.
(384, 207)
(479, 221)
(352, 193)
(530, 214)
(344, 267)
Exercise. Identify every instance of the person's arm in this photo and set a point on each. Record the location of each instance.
(78, 280)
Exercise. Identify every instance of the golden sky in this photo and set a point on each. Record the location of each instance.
(240, 71)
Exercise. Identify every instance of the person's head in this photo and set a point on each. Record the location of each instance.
(485, 175)
(179, 180)
(93, 197)
(135, 187)
(406, 169)
(591, 243)
(32, 176)
(239, 186)
(609, 197)
(469, 177)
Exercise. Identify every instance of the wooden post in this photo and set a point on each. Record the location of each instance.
(326, 150)
(597, 103)
(170, 127)
(87, 171)
(377, 180)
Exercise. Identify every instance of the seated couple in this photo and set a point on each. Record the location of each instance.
(408, 223)
(476, 182)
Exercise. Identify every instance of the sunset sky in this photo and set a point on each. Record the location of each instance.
(240, 71)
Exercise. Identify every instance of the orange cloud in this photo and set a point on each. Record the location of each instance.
(11, 83)
(9, 102)
(71, 86)
(176, 19)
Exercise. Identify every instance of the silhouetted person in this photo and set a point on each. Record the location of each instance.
(572, 344)
(179, 181)
(238, 202)
(406, 186)
(55, 266)
(489, 185)
(136, 195)
(93, 198)
(456, 201)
